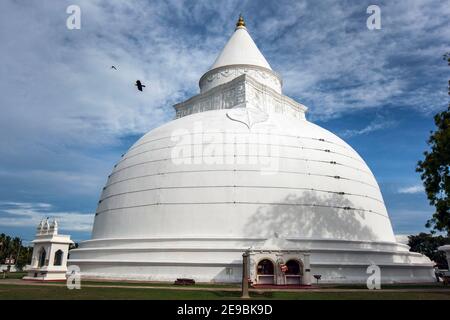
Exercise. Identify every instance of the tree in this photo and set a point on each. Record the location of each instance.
(5, 248)
(13, 248)
(435, 170)
(24, 257)
(427, 244)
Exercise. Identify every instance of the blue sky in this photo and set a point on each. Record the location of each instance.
(66, 117)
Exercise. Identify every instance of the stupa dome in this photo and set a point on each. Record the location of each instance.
(195, 176)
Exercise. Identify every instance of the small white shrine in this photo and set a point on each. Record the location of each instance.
(50, 253)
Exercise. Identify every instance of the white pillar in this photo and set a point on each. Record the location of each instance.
(279, 275)
(252, 267)
(307, 270)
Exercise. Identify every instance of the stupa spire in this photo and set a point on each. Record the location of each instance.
(241, 49)
(241, 22)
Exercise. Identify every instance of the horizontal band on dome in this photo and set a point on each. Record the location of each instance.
(239, 144)
(294, 239)
(243, 133)
(159, 263)
(244, 248)
(234, 170)
(243, 156)
(242, 202)
(235, 156)
(225, 264)
(237, 186)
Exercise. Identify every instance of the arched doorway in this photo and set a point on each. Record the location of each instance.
(265, 272)
(58, 258)
(42, 255)
(294, 272)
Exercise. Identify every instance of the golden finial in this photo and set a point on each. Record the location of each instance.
(241, 22)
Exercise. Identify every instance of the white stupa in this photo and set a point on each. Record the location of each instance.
(240, 168)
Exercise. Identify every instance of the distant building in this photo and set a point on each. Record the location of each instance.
(240, 168)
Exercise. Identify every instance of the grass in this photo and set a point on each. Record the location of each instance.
(433, 286)
(13, 275)
(55, 291)
(160, 284)
(33, 292)
(14, 292)
(20, 275)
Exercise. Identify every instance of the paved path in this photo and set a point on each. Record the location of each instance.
(86, 284)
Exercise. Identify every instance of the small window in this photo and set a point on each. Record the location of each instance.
(42, 255)
(265, 267)
(58, 258)
(294, 268)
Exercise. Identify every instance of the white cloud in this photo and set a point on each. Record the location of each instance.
(69, 95)
(23, 214)
(341, 66)
(412, 189)
(378, 123)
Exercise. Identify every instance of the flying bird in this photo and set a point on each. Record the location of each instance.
(139, 85)
(113, 67)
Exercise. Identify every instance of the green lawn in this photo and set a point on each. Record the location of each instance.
(433, 286)
(20, 275)
(62, 293)
(160, 284)
(13, 275)
(55, 291)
